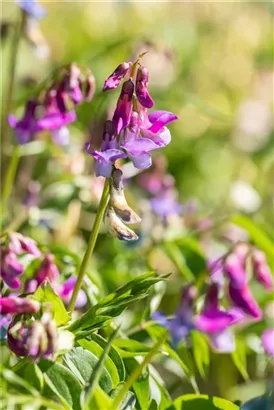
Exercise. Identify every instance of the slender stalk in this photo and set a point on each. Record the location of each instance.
(91, 244)
(9, 180)
(137, 372)
(11, 70)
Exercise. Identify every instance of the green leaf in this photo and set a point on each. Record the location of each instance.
(63, 383)
(30, 371)
(114, 304)
(239, 358)
(200, 352)
(98, 371)
(46, 294)
(256, 235)
(128, 403)
(82, 363)
(99, 397)
(141, 385)
(113, 354)
(20, 384)
(97, 350)
(131, 348)
(202, 402)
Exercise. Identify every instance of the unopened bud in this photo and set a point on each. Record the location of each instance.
(114, 80)
(141, 88)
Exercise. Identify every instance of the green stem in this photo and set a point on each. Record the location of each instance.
(91, 244)
(137, 372)
(10, 87)
(9, 180)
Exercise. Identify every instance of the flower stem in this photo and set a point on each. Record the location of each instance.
(10, 86)
(137, 372)
(9, 180)
(91, 244)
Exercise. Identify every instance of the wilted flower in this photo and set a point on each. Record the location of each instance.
(33, 338)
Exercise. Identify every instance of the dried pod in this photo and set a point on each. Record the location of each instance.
(118, 228)
(118, 200)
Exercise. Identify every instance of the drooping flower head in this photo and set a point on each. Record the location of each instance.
(52, 110)
(136, 132)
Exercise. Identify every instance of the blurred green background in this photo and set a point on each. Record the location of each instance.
(212, 64)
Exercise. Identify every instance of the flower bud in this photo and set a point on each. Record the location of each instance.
(12, 304)
(114, 80)
(118, 200)
(20, 243)
(234, 268)
(141, 88)
(262, 270)
(47, 270)
(122, 114)
(118, 228)
(242, 298)
(10, 269)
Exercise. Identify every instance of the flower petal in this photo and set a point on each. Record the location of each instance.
(161, 138)
(56, 120)
(242, 298)
(114, 80)
(159, 119)
(61, 136)
(223, 342)
(213, 321)
(105, 160)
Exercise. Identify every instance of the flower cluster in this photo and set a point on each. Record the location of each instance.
(118, 212)
(133, 132)
(54, 109)
(214, 320)
(33, 338)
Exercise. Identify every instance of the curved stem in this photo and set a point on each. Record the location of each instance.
(91, 244)
(137, 372)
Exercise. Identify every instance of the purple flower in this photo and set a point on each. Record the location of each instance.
(27, 127)
(47, 270)
(109, 153)
(268, 342)
(65, 291)
(243, 299)
(262, 270)
(32, 8)
(20, 244)
(141, 88)
(10, 269)
(122, 114)
(12, 304)
(235, 270)
(165, 204)
(114, 80)
(182, 323)
(216, 322)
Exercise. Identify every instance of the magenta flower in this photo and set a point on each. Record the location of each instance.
(182, 323)
(262, 270)
(122, 114)
(27, 127)
(12, 304)
(268, 342)
(243, 299)
(216, 322)
(141, 88)
(47, 270)
(235, 269)
(114, 80)
(32, 8)
(20, 244)
(10, 269)
(65, 292)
